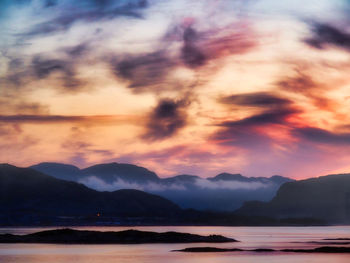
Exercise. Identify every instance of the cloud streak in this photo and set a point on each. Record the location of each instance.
(255, 99)
(95, 120)
(323, 136)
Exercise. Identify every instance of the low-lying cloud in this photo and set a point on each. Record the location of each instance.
(100, 185)
(156, 187)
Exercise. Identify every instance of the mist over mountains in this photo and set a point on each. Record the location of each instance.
(32, 198)
(224, 192)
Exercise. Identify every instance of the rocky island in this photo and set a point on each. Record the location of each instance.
(72, 236)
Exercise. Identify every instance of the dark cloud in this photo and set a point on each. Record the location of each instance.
(77, 51)
(166, 119)
(43, 67)
(191, 54)
(99, 11)
(39, 118)
(271, 117)
(146, 71)
(245, 138)
(322, 136)
(246, 132)
(152, 71)
(325, 35)
(256, 99)
(200, 47)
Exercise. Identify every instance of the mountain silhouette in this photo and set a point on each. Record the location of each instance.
(126, 172)
(326, 198)
(31, 198)
(109, 172)
(61, 171)
(27, 192)
(224, 192)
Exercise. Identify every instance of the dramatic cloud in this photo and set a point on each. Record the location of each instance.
(180, 86)
(250, 132)
(326, 35)
(201, 47)
(322, 136)
(149, 71)
(271, 117)
(256, 99)
(167, 118)
(190, 52)
(42, 67)
(154, 71)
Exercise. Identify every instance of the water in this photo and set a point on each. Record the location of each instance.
(250, 237)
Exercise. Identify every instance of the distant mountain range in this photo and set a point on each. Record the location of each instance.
(29, 197)
(109, 172)
(224, 192)
(25, 193)
(326, 198)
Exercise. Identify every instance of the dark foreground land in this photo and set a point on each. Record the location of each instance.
(314, 250)
(71, 236)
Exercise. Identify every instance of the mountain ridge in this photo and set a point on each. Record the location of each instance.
(325, 197)
(27, 192)
(223, 192)
(31, 198)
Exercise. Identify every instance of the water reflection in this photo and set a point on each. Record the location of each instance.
(250, 237)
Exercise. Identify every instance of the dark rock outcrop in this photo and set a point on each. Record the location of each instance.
(70, 236)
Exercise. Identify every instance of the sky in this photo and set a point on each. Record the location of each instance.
(257, 87)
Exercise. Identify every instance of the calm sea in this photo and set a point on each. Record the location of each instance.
(250, 237)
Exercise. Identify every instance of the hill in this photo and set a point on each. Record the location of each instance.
(224, 192)
(326, 198)
(26, 194)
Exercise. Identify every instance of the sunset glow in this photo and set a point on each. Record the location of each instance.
(256, 87)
